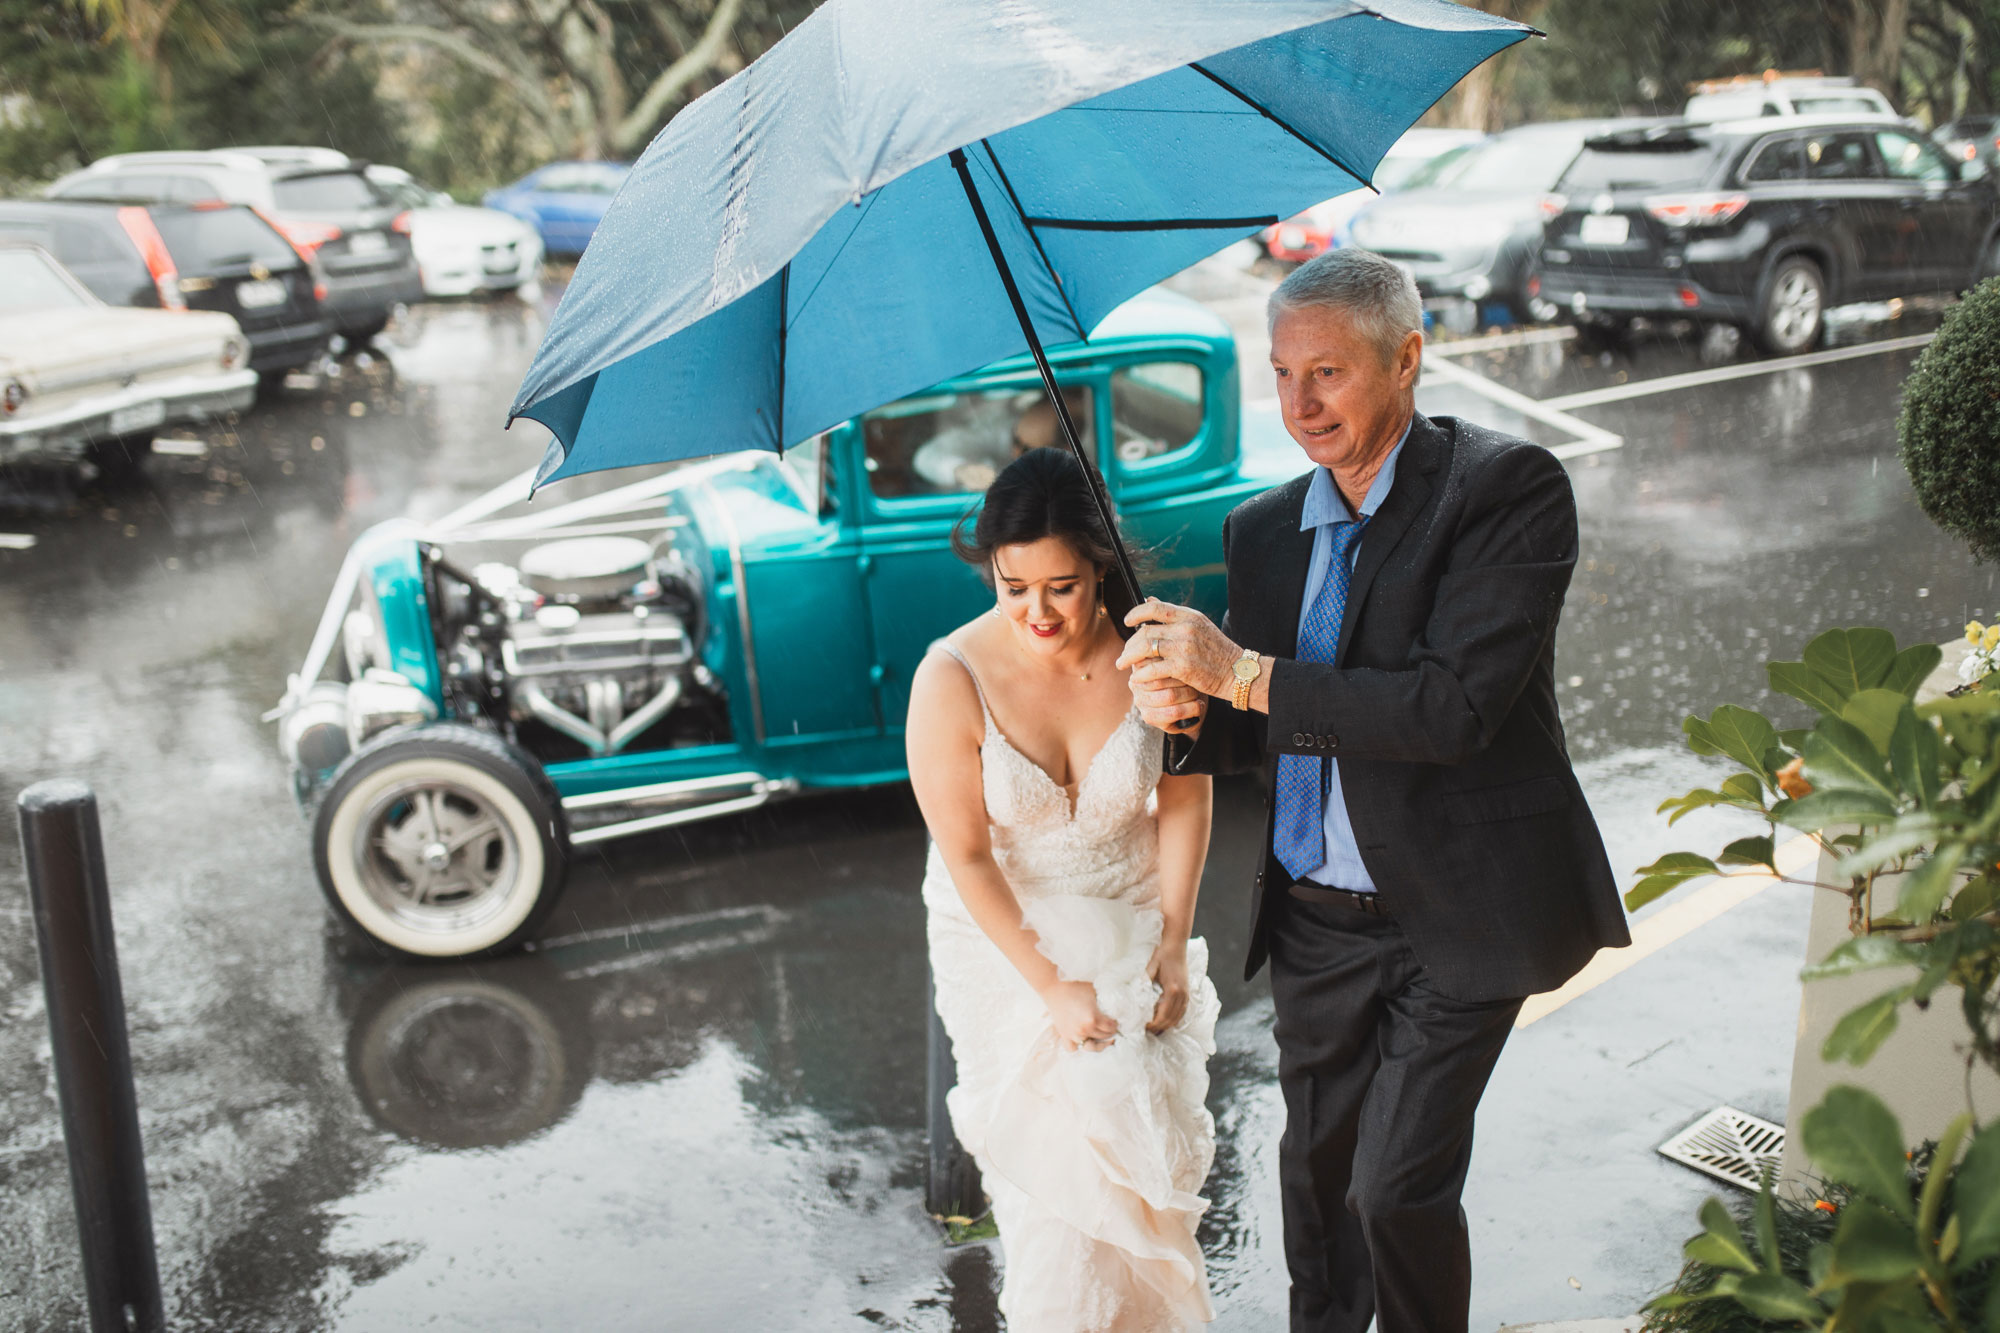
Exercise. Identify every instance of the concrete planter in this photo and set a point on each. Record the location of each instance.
(1920, 1072)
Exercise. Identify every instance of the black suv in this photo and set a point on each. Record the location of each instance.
(1761, 223)
(318, 198)
(176, 256)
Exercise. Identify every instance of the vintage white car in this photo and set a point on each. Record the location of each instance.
(83, 380)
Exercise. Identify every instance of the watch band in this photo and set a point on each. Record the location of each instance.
(1240, 696)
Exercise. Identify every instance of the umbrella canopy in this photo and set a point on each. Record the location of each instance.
(803, 244)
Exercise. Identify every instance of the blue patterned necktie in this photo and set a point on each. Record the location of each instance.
(1298, 835)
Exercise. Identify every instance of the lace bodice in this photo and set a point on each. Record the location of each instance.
(1105, 846)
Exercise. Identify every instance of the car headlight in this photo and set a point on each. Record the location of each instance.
(235, 352)
(12, 396)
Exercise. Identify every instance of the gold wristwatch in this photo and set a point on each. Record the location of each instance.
(1248, 667)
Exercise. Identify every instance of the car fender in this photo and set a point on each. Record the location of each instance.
(1810, 248)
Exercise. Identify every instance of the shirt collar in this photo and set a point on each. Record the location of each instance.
(1324, 503)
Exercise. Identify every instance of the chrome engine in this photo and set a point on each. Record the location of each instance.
(590, 643)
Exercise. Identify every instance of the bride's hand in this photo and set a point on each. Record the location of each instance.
(1168, 969)
(1078, 1021)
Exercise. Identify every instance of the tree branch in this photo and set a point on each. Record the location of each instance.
(636, 128)
(451, 43)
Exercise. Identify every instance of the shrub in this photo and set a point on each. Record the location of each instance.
(1949, 428)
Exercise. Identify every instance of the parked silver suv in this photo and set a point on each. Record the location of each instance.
(323, 203)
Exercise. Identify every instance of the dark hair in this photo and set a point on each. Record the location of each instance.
(1040, 494)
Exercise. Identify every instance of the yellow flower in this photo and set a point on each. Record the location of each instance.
(1973, 632)
(1991, 639)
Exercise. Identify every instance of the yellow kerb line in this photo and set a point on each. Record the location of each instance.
(1668, 924)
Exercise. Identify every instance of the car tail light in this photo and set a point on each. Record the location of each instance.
(400, 223)
(138, 225)
(1696, 210)
(12, 396)
(1971, 151)
(306, 237)
(1553, 205)
(1690, 297)
(1535, 285)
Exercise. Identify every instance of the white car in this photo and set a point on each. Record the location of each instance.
(80, 379)
(463, 249)
(1775, 94)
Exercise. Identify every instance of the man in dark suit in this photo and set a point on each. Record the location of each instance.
(1388, 663)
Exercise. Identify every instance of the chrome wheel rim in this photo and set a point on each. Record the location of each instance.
(1795, 308)
(437, 856)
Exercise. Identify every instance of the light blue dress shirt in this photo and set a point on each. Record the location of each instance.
(1324, 508)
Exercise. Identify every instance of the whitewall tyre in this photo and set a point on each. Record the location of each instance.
(441, 841)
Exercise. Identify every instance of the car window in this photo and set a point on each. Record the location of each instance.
(1156, 409)
(956, 443)
(1639, 164)
(1907, 157)
(1778, 160)
(29, 281)
(1839, 156)
(325, 192)
(201, 240)
(118, 185)
(806, 464)
(1845, 104)
(1516, 163)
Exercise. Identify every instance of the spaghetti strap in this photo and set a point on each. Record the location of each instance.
(984, 710)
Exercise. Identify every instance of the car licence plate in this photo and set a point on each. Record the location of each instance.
(367, 243)
(1604, 229)
(138, 417)
(260, 295)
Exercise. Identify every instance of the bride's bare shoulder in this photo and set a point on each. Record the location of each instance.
(943, 690)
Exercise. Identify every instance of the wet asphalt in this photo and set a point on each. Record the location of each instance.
(699, 1103)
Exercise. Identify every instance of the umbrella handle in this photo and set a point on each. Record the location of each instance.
(1115, 606)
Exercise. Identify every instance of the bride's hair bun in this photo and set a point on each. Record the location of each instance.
(1040, 494)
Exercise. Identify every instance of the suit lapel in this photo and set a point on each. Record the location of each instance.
(1288, 557)
(1422, 454)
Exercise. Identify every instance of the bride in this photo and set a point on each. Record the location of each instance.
(1060, 892)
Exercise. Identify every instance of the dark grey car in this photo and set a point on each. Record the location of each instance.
(1468, 222)
(320, 200)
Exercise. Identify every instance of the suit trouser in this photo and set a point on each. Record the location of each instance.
(1381, 1075)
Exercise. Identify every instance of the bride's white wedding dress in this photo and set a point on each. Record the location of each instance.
(1093, 1159)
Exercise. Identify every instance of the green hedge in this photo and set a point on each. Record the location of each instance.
(1949, 429)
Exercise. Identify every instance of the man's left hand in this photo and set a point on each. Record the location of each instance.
(1177, 645)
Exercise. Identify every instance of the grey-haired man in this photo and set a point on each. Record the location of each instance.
(1388, 664)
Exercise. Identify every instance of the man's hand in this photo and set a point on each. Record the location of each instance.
(1180, 646)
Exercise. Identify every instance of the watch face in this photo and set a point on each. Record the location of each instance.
(1246, 668)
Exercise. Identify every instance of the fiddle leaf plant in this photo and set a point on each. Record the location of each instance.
(1901, 795)
(1911, 1245)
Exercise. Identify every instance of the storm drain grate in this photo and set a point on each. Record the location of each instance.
(1730, 1146)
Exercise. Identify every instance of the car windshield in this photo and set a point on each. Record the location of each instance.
(1637, 164)
(1516, 163)
(325, 192)
(1396, 172)
(29, 281)
(201, 239)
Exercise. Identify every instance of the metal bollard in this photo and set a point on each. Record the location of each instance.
(93, 1060)
(951, 1180)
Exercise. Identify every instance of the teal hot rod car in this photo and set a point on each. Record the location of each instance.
(492, 690)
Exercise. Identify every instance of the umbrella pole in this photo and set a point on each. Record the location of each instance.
(1090, 474)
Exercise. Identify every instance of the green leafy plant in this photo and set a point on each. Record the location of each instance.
(1949, 428)
(1891, 788)
(1899, 1249)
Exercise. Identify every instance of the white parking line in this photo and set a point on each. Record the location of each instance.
(16, 541)
(1497, 342)
(1670, 923)
(1696, 378)
(1587, 439)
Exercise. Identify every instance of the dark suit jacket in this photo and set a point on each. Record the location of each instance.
(1441, 709)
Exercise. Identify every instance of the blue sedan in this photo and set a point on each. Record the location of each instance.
(564, 201)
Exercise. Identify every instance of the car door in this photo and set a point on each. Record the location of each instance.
(920, 466)
(1946, 212)
(1853, 194)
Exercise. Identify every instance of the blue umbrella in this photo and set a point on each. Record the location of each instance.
(903, 190)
